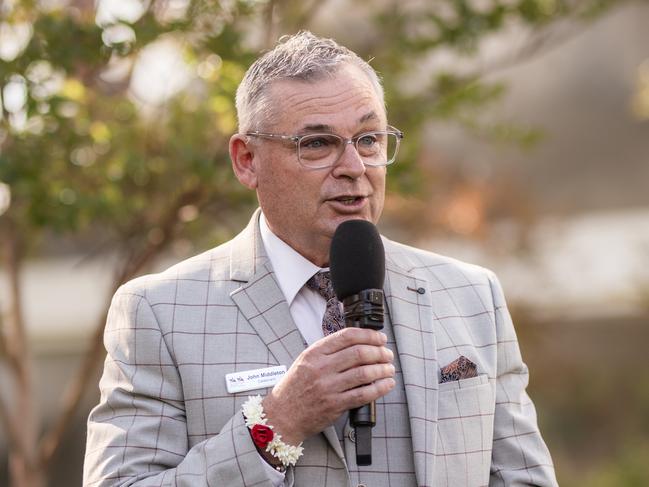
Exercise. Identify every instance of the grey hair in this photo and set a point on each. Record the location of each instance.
(303, 57)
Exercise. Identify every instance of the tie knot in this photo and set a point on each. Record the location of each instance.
(321, 283)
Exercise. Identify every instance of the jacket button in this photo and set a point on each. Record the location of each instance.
(351, 434)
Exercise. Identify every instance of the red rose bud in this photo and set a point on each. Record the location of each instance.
(261, 435)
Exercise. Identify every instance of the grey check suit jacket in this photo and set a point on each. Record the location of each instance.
(165, 417)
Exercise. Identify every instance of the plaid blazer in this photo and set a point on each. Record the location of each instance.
(165, 417)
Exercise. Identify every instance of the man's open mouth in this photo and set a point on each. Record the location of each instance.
(348, 200)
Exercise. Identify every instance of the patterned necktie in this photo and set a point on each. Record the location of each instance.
(333, 319)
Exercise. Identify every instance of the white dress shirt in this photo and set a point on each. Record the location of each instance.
(292, 271)
(306, 306)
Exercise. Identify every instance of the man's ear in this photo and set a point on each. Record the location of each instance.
(243, 161)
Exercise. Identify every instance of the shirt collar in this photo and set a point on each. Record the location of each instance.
(292, 270)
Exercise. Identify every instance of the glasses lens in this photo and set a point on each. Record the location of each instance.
(378, 148)
(320, 150)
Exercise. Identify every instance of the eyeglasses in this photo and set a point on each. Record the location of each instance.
(318, 151)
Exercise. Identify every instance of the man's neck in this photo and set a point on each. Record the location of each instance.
(316, 254)
(291, 268)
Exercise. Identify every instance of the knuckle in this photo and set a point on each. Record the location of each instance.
(377, 337)
(360, 395)
(311, 353)
(372, 337)
(306, 369)
(391, 371)
(386, 386)
(363, 354)
(362, 375)
(344, 336)
(388, 354)
(358, 354)
(327, 403)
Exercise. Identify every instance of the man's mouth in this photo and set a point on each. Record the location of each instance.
(349, 204)
(348, 200)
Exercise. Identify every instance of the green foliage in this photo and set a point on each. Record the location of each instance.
(627, 469)
(80, 154)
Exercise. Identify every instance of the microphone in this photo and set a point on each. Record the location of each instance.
(357, 266)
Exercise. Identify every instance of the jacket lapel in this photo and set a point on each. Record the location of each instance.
(259, 298)
(412, 322)
(262, 303)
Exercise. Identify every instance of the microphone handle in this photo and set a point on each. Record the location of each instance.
(364, 310)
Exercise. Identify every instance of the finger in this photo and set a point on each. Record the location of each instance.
(357, 355)
(360, 376)
(348, 337)
(359, 396)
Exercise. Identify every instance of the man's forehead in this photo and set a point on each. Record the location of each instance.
(318, 105)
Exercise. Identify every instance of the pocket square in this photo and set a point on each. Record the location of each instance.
(460, 368)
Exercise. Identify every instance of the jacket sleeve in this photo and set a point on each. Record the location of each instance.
(137, 434)
(519, 455)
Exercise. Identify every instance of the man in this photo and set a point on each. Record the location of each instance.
(446, 372)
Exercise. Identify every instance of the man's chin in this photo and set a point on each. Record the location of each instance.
(343, 218)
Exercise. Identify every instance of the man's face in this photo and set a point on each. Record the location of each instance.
(304, 206)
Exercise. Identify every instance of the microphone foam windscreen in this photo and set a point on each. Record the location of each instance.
(356, 258)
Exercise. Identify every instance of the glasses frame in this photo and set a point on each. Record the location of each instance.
(296, 139)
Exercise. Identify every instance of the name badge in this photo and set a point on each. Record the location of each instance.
(254, 379)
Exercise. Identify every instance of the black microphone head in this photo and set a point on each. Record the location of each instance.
(356, 258)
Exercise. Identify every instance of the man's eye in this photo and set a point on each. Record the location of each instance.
(368, 140)
(317, 143)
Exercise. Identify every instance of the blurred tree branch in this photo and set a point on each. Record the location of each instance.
(10, 426)
(542, 40)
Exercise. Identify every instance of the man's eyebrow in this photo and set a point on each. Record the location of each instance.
(318, 127)
(369, 116)
(321, 127)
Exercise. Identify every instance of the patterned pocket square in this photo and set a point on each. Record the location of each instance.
(460, 368)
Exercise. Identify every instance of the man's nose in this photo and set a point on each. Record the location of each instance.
(350, 164)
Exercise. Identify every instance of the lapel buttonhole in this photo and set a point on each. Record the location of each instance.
(419, 290)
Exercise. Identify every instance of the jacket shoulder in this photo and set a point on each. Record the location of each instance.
(209, 266)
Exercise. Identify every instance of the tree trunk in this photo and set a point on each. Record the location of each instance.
(24, 474)
(23, 464)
